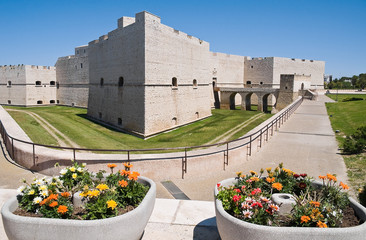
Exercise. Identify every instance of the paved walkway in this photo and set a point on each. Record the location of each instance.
(305, 143)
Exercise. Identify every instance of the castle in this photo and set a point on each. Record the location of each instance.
(145, 77)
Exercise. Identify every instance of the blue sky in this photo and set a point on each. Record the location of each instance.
(37, 32)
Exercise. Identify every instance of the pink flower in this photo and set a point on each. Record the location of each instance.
(265, 200)
(257, 204)
(237, 190)
(246, 206)
(247, 214)
(248, 200)
(236, 198)
(255, 191)
(243, 187)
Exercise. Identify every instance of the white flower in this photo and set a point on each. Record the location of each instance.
(247, 214)
(44, 193)
(43, 188)
(39, 182)
(72, 169)
(83, 164)
(49, 180)
(249, 200)
(37, 200)
(63, 171)
(21, 189)
(80, 169)
(245, 205)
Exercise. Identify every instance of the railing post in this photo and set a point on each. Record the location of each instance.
(267, 134)
(128, 156)
(73, 151)
(250, 145)
(184, 163)
(272, 129)
(34, 155)
(12, 149)
(226, 155)
(260, 140)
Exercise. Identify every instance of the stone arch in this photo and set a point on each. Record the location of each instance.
(235, 98)
(268, 99)
(248, 102)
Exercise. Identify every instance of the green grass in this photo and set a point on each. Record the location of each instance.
(74, 124)
(33, 129)
(347, 117)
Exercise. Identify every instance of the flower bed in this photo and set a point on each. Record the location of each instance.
(244, 206)
(119, 204)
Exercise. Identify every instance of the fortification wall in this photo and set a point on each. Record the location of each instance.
(12, 85)
(171, 54)
(300, 67)
(116, 74)
(41, 85)
(72, 74)
(259, 71)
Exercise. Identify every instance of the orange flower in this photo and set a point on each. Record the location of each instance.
(315, 204)
(321, 224)
(111, 204)
(43, 202)
(112, 165)
(65, 194)
(123, 183)
(125, 173)
(53, 197)
(331, 177)
(322, 177)
(53, 204)
(344, 186)
(62, 209)
(134, 176)
(270, 180)
(128, 165)
(305, 219)
(255, 179)
(252, 172)
(277, 186)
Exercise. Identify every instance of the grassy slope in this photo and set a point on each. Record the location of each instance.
(72, 122)
(347, 117)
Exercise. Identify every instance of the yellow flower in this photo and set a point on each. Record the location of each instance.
(111, 204)
(93, 193)
(72, 169)
(43, 188)
(255, 179)
(268, 169)
(270, 180)
(253, 173)
(238, 174)
(102, 187)
(31, 192)
(84, 194)
(74, 175)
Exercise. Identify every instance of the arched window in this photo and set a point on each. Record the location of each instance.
(52, 83)
(52, 101)
(38, 83)
(9, 84)
(119, 121)
(197, 115)
(120, 81)
(101, 81)
(39, 102)
(194, 83)
(174, 82)
(9, 101)
(174, 121)
(100, 115)
(249, 82)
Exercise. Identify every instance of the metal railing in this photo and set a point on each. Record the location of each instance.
(180, 152)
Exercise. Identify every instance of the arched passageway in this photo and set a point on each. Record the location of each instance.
(268, 102)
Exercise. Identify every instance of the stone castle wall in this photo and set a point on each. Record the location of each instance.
(72, 73)
(27, 85)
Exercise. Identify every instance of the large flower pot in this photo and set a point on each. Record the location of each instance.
(130, 225)
(232, 228)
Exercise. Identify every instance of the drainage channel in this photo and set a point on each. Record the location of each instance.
(175, 191)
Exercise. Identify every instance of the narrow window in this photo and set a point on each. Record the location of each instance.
(9, 101)
(194, 83)
(249, 82)
(84, 51)
(100, 115)
(101, 82)
(120, 121)
(58, 101)
(77, 52)
(120, 82)
(197, 115)
(72, 104)
(81, 65)
(174, 121)
(52, 83)
(38, 83)
(174, 82)
(261, 83)
(39, 102)
(57, 85)
(9, 84)
(52, 101)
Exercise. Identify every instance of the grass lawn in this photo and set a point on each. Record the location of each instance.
(74, 124)
(347, 117)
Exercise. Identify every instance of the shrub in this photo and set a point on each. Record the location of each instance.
(355, 143)
(352, 99)
(362, 196)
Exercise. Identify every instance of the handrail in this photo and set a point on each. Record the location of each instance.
(277, 122)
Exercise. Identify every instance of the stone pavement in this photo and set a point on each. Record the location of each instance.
(305, 144)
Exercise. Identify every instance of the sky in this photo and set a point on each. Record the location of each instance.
(37, 32)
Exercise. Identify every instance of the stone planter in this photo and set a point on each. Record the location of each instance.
(127, 226)
(232, 228)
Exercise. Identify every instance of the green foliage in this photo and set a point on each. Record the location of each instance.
(355, 143)
(362, 195)
(352, 99)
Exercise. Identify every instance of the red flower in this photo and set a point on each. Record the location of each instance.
(296, 175)
(243, 187)
(237, 190)
(257, 204)
(255, 191)
(236, 198)
(303, 175)
(218, 185)
(302, 185)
